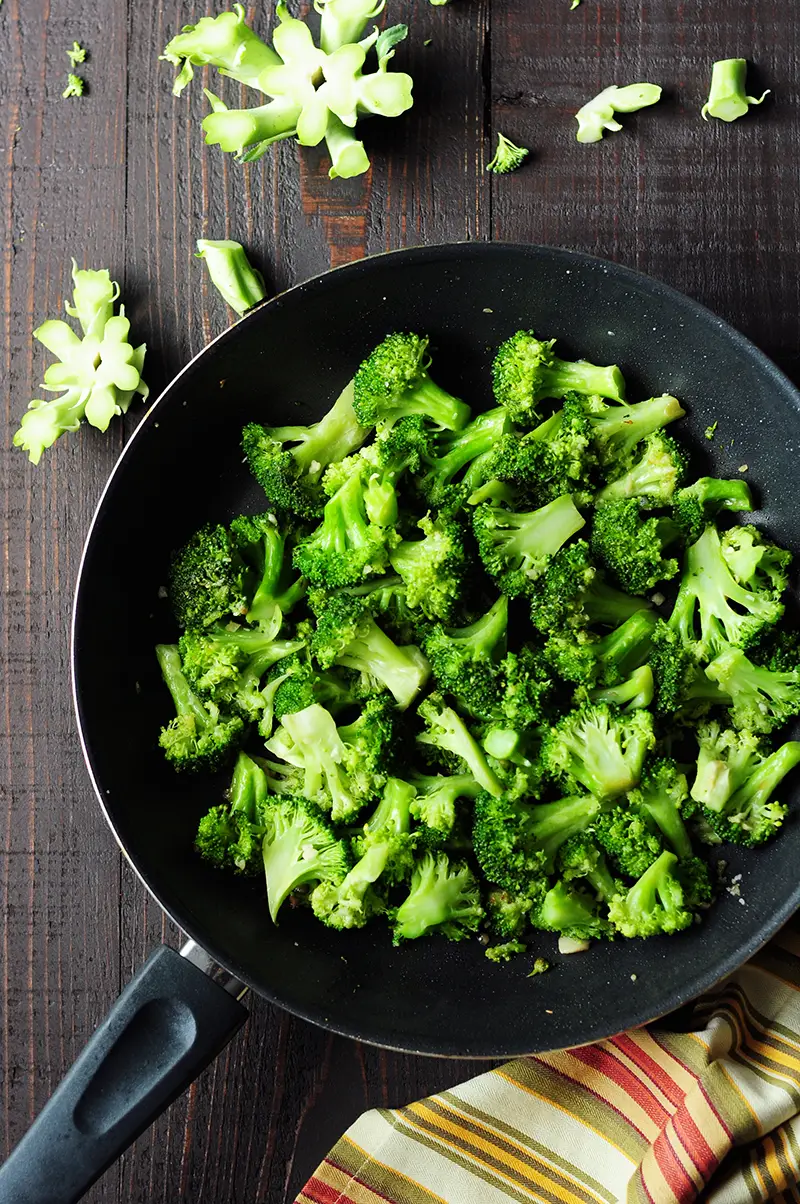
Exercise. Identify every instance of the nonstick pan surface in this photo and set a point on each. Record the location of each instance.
(285, 363)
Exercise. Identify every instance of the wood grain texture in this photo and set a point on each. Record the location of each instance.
(121, 178)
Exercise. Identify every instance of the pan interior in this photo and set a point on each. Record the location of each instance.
(286, 362)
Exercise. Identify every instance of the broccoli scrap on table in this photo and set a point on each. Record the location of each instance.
(727, 98)
(496, 675)
(75, 86)
(231, 273)
(77, 54)
(597, 115)
(507, 157)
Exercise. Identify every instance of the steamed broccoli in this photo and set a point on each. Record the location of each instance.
(434, 804)
(207, 579)
(299, 846)
(633, 547)
(434, 569)
(516, 843)
(630, 695)
(736, 777)
(347, 635)
(261, 543)
(581, 657)
(347, 546)
(754, 561)
(230, 836)
(573, 594)
(393, 382)
(629, 838)
(447, 734)
(200, 738)
(459, 465)
(516, 548)
(694, 504)
(599, 749)
(300, 684)
(508, 913)
(444, 897)
(655, 904)
(761, 698)
(385, 857)
(712, 608)
(226, 666)
(681, 685)
(663, 795)
(525, 372)
(570, 910)
(654, 477)
(618, 429)
(463, 660)
(288, 462)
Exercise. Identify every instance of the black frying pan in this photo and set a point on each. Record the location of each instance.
(286, 362)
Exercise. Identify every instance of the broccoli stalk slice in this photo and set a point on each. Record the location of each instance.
(232, 274)
(447, 732)
(600, 749)
(597, 115)
(761, 698)
(393, 382)
(516, 548)
(617, 429)
(727, 98)
(299, 847)
(706, 598)
(444, 896)
(630, 695)
(433, 569)
(655, 904)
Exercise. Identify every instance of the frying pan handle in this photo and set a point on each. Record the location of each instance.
(166, 1026)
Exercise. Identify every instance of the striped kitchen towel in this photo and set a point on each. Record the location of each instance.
(652, 1116)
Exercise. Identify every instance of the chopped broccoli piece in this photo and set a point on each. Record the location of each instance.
(231, 273)
(573, 594)
(393, 382)
(248, 789)
(207, 579)
(628, 695)
(448, 735)
(516, 843)
(346, 547)
(444, 897)
(736, 777)
(633, 547)
(525, 372)
(597, 115)
(77, 54)
(299, 847)
(517, 548)
(507, 157)
(554, 458)
(463, 659)
(508, 913)
(704, 614)
(347, 635)
(681, 686)
(599, 749)
(261, 544)
(572, 911)
(655, 904)
(227, 666)
(385, 857)
(662, 795)
(433, 569)
(761, 698)
(505, 952)
(461, 459)
(618, 429)
(654, 477)
(727, 98)
(75, 86)
(693, 504)
(301, 685)
(580, 657)
(434, 805)
(288, 462)
(200, 737)
(228, 840)
(754, 562)
(629, 837)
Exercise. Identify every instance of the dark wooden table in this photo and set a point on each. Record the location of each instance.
(120, 178)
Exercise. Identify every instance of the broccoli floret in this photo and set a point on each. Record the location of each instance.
(262, 544)
(393, 382)
(461, 460)
(434, 805)
(712, 609)
(299, 846)
(571, 911)
(433, 569)
(681, 686)
(633, 547)
(326, 768)
(573, 594)
(385, 857)
(231, 836)
(516, 843)
(579, 656)
(761, 699)
(654, 477)
(346, 547)
(736, 777)
(599, 749)
(779, 651)
(655, 904)
(368, 744)
(447, 734)
(288, 462)
(398, 448)
(618, 429)
(754, 562)
(207, 579)
(517, 548)
(662, 795)
(300, 685)
(249, 788)
(507, 157)
(581, 857)
(508, 913)
(227, 666)
(693, 505)
(464, 659)
(629, 838)
(444, 897)
(516, 701)
(630, 695)
(525, 371)
(200, 738)
(347, 635)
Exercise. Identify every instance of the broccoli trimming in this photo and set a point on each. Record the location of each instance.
(507, 156)
(597, 115)
(231, 272)
(727, 98)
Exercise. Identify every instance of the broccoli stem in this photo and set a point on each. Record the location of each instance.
(604, 604)
(552, 824)
(231, 273)
(348, 157)
(331, 439)
(629, 695)
(185, 700)
(758, 788)
(476, 439)
(722, 495)
(248, 788)
(579, 376)
(342, 22)
(540, 533)
(235, 129)
(727, 98)
(563, 908)
(620, 428)
(501, 743)
(403, 671)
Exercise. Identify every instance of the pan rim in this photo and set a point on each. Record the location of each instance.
(443, 253)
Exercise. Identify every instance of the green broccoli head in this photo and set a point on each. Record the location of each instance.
(681, 686)
(762, 699)
(461, 461)
(262, 545)
(393, 383)
(447, 738)
(525, 371)
(654, 477)
(619, 429)
(299, 846)
(434, 804)
(599, 749)
(574, 594)
(696, 503)
(663, 795)
(201, 737)
(228, 840)
(226, 666)
(347, 547)
(444, 897)
(754, 562)
(629, 837)
(634, 547)
(516, 843)
(508, 912)
(434, 569)
(654, 905)
(207, 579)
(515, 548)
(572, 911)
